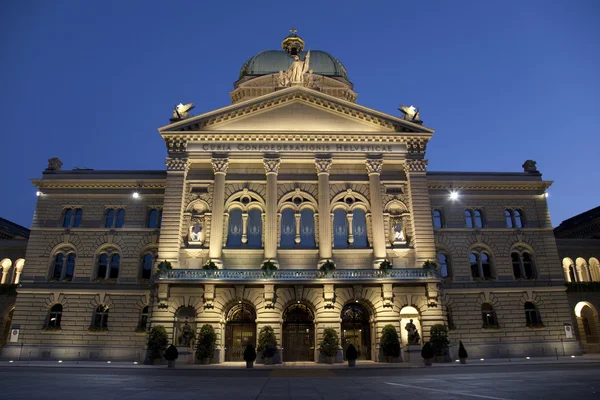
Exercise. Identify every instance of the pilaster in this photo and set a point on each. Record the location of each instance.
(220, 166)
(271, 169)
(323, 166)
(374, 167)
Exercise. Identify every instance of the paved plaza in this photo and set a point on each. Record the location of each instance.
(497, 382)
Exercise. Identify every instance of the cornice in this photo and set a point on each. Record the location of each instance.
(492, 185)
(98, 184)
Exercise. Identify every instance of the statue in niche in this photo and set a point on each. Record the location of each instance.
(413, 333)
(398, 230)
(186, 337)
(196, 234)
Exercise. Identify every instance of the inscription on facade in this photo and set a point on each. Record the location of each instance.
(298, 147)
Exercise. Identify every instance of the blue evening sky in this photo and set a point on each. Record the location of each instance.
(499, 81)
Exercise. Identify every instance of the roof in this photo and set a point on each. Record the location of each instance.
(10, 230)
(583, 226)
(272, 61)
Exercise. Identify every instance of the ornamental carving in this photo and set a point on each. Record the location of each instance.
(177, 145)
(323, 165)
(177, 164)
(220, 165)
(415, 166)
(272, 165)
(416, 145)
(374, 166)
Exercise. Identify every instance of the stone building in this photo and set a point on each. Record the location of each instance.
(578, 241)
(294, 172)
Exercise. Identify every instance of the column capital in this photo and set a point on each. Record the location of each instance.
(177, 164)
(272, 165)
(220, 165)
(415, 166)
(323, 165)
(374, 165)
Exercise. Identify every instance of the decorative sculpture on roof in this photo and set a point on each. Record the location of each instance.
(410, 113)
(54, 164)
(295, 73)
(182, 111)
(529, 167)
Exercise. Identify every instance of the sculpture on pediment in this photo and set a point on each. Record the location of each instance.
(282, 79)
(182, 111)
(529, 166)
(54, 164)
(295, 73)
(309, 80)
(196, 231)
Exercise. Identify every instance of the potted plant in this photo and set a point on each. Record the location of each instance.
(330, 345)
(210, 266)
(164, 267)
(157, 343)
(267, 344)
(385, 266)
(351, 355)
(327, 266)
(205, 348)
(171, 355)
(249, 356)
(268, 267)
(462, 353)
(427, 353)
(439, 340)
(390, 343)
(430, 266)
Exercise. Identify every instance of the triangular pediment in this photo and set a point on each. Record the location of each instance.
(296, 109)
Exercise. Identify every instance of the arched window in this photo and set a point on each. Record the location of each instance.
(77, 219)
(359, 229)
(58, 266)
(572, 273)
(67, 218)
(120, 218)
(444, 263)
(143, 319)
(234, 235)
(489, 316)
(153, 218)
(288, 229)
(307, 229)
(468, 218)
(54, 317)
(478, 214)
(528, 265)
(532, 316)
(522, 264)
(340, 229)
(255, 228)
(70, 270)
(102, 266)
(147, 261)
(508, 218)
(110, 218)
(100, 320)
(115, 263)
(516, 264)
(518, 218)
(437, 219)
(481, 265)
(108, 265)
(486, 265)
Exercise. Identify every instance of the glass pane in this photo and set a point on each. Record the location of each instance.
(70, 265)
(147, 266)
(234, 236)
(340, 229)
(159, 218)
(508, 219)
(359, 229)
(443, 261)
(518, 219)
(307, 229)
(437, 219)
(478, 219)
(58, 264)
(110, 216)
(474, 265)
(78, 215)
(120, 218)
(102, 266)
(255, 228)
(152, 219)
(288, 229)
(516, 265)
(67, 219)
(528, 266)
(115, 262)
(468, 219)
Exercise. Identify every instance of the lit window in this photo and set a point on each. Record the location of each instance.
(100, 320)
(54, 317)
(489, 316)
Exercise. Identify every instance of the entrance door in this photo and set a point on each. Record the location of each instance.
(356, 330)
(239, 332)
(298, 334)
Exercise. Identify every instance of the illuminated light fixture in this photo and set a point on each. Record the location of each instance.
(457, 360)
(453, 195)
(529, 358)
(239, 302)
(38, 193)
(59, 361)
(298, 301)
(11, 361)
(108, 362)
(546, 194)
(135, 363)
(571, 357)
(356, 301)
(481, 359)
(135, 195)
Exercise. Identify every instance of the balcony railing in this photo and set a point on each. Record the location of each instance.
(295, 275)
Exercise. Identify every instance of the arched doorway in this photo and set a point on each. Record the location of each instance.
(588, 325)
(356, 330)
(240, 331)
(298, 333)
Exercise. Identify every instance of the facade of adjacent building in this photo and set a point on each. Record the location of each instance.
(578, 241)
(294, 172)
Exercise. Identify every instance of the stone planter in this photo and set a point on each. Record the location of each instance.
(329, 359)
(171, 364)
(463, 360)
(352, 363)
(205, 361)
(249, 364)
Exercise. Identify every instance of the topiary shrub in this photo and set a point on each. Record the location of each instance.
(164, 267)
(327, 266)
(171, 354)
(430, 266)
(330, 344)
(462, 352)
(207, 339)
(267, 342)
(390, 343)
(351, 353)
(157, 342)
(427, 351)
(439, 338)
(268, 267)
(385, 266)
(210, 266)
(249, 353)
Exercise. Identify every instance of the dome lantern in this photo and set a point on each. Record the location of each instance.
(292, 44)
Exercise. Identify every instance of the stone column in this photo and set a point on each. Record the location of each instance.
(19, 271)
(271, 169)
(297, 219)
(244, 227)
(219, 166)
(420, 210)
(323, 166)
(374, 167)
(170, 231)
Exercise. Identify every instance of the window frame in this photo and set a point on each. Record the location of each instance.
(143, 264)
(72, 217)
(101, 316)
(447, 263)
(489, 317)
(533, 318)
(439, 218)
(515, 216)
(522, 264)
(115, 218)
(65, 255)
(154, 222)
(54, 317)
(110, 255)
(481, 265)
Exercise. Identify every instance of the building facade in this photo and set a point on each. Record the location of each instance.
(294, 172)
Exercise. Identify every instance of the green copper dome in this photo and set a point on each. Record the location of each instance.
(273, 61)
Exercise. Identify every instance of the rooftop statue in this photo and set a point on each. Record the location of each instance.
(410, 113)
(182, 111)
(529, 166)
(295, 73)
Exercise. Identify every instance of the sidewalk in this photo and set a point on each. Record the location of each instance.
(587, 358)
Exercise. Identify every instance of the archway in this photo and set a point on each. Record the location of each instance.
(410, 315)
(356, 330)
(298, 333)
(240, 331)
(588, 325)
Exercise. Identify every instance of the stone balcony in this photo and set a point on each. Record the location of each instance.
(349, 275)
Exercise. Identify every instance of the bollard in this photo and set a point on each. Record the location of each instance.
(509, 360)
(556, 352)
(78, 354)
(29, 357)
